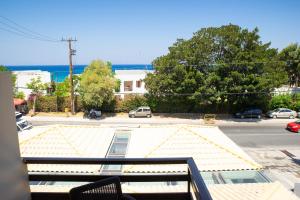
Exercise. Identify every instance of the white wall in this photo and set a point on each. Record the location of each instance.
(24, 77)
(13, 174)
(132, 75)
(286, 90)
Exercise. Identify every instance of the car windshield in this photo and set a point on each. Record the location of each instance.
(18, 115)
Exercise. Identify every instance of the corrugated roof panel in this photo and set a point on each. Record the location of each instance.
(67, 141)
(210, 148)
(250, 191)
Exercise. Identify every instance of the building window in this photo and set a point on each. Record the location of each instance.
(128, 85)
(139, 84)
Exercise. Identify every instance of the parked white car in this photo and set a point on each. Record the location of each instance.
(143, 111)
(282, 113)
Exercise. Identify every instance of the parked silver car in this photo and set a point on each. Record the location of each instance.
(282, 113)
(143, 111)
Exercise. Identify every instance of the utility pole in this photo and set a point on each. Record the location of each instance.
(72, 52)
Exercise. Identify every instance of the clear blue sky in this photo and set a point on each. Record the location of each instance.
(134, 31)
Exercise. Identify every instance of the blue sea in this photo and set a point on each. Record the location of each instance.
(60, 72)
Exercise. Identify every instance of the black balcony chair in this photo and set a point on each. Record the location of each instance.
(106, 189)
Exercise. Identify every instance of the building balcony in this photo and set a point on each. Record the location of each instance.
(193, 187)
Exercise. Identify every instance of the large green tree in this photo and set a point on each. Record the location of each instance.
(217, 66)
(291, 58)
(97, 84)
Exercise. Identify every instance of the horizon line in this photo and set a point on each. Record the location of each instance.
(41, 65)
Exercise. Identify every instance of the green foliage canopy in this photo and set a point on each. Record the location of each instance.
(19, 95)
(36, 85)
(286, 101)
(97, 84)
(63, 89)
(291, 57)
(214, 67)
(131, 102)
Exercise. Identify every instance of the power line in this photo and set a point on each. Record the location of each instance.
(200, 64)
(22, 33)
(25, 32)
(19, 34)
(34, 32)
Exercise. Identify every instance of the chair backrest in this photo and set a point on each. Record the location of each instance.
(106, 189)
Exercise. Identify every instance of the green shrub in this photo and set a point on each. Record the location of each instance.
(109, 106)
(64, 102)
(78, 104)
(130, 102)
(281, 101)
(296, 101)
(55, 104)
(46, 104)
(19, 95)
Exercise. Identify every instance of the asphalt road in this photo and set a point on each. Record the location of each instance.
(244, 135)
(262, 136)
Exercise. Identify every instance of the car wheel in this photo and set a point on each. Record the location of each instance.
(258, 116)
(242, 117)
(148, 116)
(274, 116)
(292, 117)
(93, 116)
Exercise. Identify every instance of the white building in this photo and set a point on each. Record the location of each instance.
(285, 89)
(24, 77)
(132, 81)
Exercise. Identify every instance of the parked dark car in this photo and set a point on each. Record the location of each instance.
(18, 115)
(249, 113)
(92, 114)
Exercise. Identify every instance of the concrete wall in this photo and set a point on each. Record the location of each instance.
(13, 174)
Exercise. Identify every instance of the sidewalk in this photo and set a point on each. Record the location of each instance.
(163, 119)
(278, 166)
